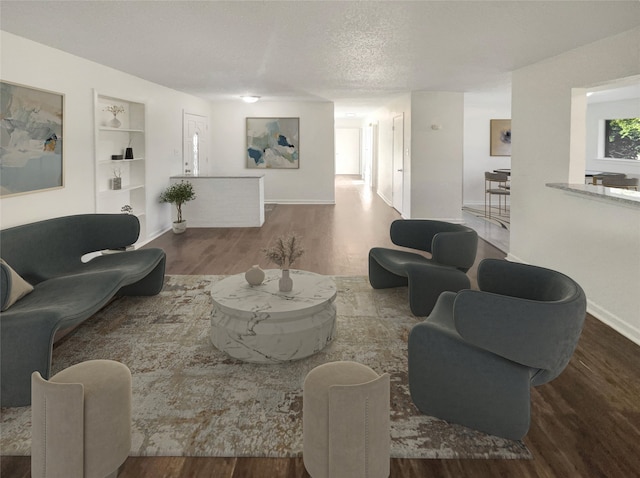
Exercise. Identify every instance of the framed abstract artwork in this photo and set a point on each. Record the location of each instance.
(31, 130)
(273, 143)
(500, 137)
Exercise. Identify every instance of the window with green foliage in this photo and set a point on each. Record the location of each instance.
(622, 138)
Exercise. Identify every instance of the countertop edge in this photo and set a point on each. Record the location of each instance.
(612, 195)
(219, 176)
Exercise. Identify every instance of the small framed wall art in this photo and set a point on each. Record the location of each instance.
(273, 143)
(500, 137)
(31, 158)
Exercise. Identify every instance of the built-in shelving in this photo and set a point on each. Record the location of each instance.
(110, 141)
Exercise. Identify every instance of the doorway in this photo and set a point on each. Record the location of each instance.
(369, 160)
(195, 148)
(348, 151)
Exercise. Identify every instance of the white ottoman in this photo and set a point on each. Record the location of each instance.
(81, 421)
(345, 417)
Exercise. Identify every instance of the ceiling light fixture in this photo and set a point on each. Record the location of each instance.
(350, 115)
(250, 99)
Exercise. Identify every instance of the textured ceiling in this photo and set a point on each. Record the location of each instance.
(347, 52)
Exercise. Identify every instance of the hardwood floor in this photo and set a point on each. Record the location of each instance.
(586, 423)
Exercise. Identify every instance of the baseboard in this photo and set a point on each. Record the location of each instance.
(512, 258)
(302, 201)
(151, 237)
(453, 220)
(613, 321)
(385, 199)
(602, 314)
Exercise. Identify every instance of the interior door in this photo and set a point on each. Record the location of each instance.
(196, 141)
(398, 162)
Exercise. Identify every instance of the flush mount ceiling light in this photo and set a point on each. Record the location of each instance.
(250, 99)
(350, 115)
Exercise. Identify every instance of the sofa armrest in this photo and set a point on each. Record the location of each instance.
(53, 247)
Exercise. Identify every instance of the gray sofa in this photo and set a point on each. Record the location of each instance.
(66, 290)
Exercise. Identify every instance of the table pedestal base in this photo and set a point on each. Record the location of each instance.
(258, 340)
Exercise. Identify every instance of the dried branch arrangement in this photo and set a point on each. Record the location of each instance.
(286, 251)
(115, 109)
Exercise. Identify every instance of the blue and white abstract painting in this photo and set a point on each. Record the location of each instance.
(273, 143)
(30, 139)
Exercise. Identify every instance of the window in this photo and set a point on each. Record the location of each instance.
(196, 154)
(622, 138)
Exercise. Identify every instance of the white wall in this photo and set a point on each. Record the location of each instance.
(436, 155)
(384, 168)
(312, 183)
(36, 65)
(479, 109)
(33, 64)
(597, 243)
(432, 158)
(596, 114)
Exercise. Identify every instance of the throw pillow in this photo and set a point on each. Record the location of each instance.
(16, 286)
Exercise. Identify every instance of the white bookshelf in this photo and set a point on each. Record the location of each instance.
(111, 141)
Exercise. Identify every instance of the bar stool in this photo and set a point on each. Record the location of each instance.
(607, 176)
(620, 182)
(345, 421)
(81, 421)
(502, 190)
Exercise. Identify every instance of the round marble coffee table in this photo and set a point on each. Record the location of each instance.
(261, 324)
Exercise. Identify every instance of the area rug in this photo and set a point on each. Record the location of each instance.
(189, 399)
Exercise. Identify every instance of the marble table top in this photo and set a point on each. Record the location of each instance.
(310, 291)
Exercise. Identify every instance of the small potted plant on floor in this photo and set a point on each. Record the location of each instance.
(178, 194)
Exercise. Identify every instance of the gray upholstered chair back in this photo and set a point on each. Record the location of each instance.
(527, 314)
(496, 177)
(449, 244)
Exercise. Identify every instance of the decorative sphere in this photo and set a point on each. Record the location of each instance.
(255, 275)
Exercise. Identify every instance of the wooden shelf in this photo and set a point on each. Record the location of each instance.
(123, 189)
(110, 161)
(110, 141)
(120, 130)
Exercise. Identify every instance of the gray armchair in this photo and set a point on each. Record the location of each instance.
(453, 250)
(474, 359)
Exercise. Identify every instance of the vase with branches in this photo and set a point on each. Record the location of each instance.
(116, 182)
(115, 110)
(286, 250)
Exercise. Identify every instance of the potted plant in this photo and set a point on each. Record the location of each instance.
(178, 194)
